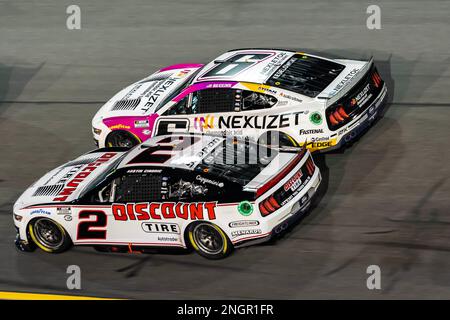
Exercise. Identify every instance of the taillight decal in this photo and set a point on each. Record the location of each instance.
(342, 112)
(376, 79)
(274, 203)
(333, 120)
(310, 166)
(263, 210)
(272, 182)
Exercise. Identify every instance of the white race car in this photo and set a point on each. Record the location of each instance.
(204, 192)
(272, 96)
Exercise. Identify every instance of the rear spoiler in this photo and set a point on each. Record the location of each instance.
(347, 86)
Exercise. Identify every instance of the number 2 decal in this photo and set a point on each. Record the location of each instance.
(92, 229)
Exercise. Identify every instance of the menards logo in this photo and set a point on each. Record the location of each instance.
(166, 210)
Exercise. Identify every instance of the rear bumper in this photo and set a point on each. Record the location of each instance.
(364, 120)
(297, 212)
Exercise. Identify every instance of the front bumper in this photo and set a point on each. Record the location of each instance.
(23, 245)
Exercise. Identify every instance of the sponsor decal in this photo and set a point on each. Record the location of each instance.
(132, 171)
(295, 191)
(245, 208)
(361, 97)
(141, 124)
(315, 118)
(274, 63)
(281, 70)
(119, 126)
(290, 97)
(40, 211)
(68, 175)
(310, 131)
(320, 144)
(266, 89)
(344, 81)
(152, 99)
(63, 210)
(68, 218)
(239, 233)
(182, 73)
(294, 182)
(165, 239)
(73, 184)
(165, 210)
(201, 123)
(273, 121)
(147, 132)
(160, 227)
(204, 180)
(243, 223)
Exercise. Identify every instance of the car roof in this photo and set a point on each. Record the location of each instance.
(183, 151)
(260, 64)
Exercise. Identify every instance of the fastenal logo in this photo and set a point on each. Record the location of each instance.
(201, 123)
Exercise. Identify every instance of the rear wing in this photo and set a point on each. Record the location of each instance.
(347, 86)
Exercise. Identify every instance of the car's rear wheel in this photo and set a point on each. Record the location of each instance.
(277, 139)
(122, 139)
(209, 240)
(49, 235)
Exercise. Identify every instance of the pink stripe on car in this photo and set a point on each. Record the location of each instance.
(181, 66)
(140, 126)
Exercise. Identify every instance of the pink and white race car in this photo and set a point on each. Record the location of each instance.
(267, 95)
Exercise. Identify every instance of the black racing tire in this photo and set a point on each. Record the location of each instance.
(208, 240)
(49, 235)
(120, 138)
(277, 139)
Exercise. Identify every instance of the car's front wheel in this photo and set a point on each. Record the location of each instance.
(209, 240)
(121, 138)
(49, 235)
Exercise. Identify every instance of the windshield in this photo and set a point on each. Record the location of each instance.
(110, 169)
(178, 90)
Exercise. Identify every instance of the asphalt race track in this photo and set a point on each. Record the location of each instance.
(387, 197)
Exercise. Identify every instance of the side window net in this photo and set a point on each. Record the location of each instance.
(138, 188)
(222, 100)
(215, 100)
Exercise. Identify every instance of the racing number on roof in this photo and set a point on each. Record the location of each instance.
(164, 149)
(235, 64)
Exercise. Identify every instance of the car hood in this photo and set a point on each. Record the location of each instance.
(145, 96)
(66, 182)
